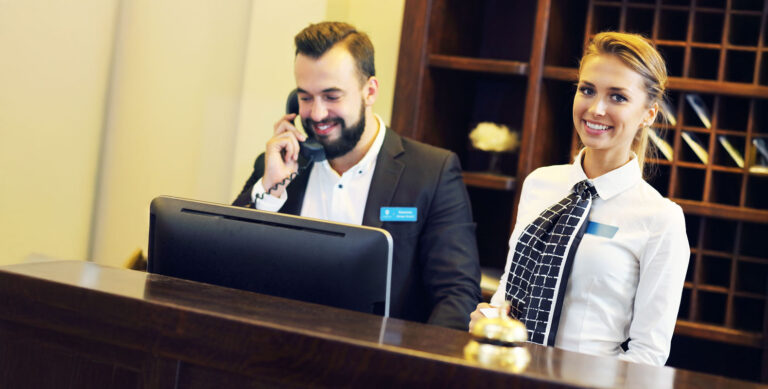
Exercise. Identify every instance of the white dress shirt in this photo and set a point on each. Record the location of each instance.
(627, 286)
(330, 196)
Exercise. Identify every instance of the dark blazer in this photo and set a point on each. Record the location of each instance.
(436, 274)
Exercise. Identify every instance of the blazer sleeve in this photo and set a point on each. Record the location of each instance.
(244, 198)
(448, 251)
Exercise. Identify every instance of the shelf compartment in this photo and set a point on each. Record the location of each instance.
(680, 3)
(685, 305)
(460, 100)
(763, 77)
(719, 235)
(725, 188)
(689, 274)
(641, 21)
(753, 240)
(489, 181)
(715, 271)
(704, 63)
(729, 152)
(659, 178)
(692, 226)
(744, 30)
(472, 29)
(714, 4)
(708, 27)
(605, 18)
(757, 187)
(690, 117)
(696, 142)
(751, 277)
(674, 57)
(673, 25)
(748, 313)
(711, 307)
(481, 65)
(733, 113)
(740, 66)
(492, 211)
(747, 5)
(689, 184)
(760, 114)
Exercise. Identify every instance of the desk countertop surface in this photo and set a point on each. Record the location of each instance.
(183, 319)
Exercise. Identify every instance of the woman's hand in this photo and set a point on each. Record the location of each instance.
(477, 315)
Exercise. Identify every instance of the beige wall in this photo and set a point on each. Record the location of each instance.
(54, 68)
(382, 21)
(268, 77)
(171, 118)
(195, 88)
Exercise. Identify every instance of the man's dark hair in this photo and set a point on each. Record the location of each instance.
(316, 39)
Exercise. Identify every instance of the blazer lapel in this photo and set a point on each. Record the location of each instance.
(385, 178)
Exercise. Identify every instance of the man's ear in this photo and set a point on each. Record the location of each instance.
(370, 91)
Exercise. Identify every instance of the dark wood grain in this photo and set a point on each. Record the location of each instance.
(78, 324)
(489, 180)
(496, 66)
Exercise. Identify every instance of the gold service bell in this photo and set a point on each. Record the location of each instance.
(499, 342)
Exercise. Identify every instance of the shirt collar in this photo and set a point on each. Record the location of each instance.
(368, 161)
(612, 183)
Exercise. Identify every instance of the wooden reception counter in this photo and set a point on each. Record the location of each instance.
(82, 325)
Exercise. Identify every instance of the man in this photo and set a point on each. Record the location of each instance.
(435, 275)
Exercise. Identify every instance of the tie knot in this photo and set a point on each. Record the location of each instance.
(585, 190)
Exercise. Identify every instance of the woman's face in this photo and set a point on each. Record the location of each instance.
(610, 105)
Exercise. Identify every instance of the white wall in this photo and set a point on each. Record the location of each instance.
(54, 67)
(189, 103)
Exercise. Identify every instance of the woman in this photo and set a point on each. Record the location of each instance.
(622, 279)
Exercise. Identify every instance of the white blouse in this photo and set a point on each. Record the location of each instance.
(625, 286)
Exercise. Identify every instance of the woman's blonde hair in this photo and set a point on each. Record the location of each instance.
(638, 54)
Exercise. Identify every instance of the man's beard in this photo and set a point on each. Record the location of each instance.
(346, 142)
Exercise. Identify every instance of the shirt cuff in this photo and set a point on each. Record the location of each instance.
(268, 202)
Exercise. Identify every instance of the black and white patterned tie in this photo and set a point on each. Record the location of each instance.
(542, 262)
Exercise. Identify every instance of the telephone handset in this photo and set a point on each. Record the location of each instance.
(310, 149)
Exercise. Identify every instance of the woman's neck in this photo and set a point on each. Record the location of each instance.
(596, 162)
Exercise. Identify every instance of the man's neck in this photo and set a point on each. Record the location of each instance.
(346, 161)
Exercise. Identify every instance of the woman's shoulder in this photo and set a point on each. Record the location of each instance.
(662, 211)
(552, 173)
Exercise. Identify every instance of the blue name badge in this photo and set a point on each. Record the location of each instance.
(603, 230)
(398, 214)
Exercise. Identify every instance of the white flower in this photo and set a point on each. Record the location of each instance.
(489, 136)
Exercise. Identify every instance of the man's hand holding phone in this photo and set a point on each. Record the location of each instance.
(282, 154)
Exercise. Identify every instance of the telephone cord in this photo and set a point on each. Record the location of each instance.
(284, 182)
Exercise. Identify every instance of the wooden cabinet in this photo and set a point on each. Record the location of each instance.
(514, 63)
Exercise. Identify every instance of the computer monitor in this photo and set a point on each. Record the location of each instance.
(335, 264)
